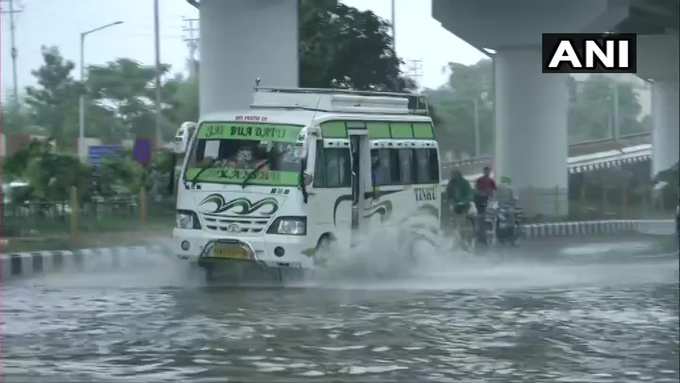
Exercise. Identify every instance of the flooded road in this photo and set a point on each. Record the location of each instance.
(596, 313)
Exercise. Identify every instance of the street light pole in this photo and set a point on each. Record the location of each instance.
(476, 124)
(15, 91)
(615, 121)
(81, 100)
(81, 103)
(159, 136)
(394, 31)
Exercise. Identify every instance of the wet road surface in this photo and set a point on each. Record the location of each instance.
(587, 312)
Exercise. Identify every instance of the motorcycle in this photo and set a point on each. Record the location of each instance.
(485, 225)
(508, 228)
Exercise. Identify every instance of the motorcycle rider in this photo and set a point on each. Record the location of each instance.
(508, 211)
(485, 188)
(459, 196)
(504, 194)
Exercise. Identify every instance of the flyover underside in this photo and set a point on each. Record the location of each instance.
(531, 107)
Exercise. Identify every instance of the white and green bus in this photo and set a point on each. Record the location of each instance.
(300, 170)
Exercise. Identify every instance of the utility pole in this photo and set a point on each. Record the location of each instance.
(192, 43)
(82, 149)
(615, 121)
(14, 52)
(476, 125)
(415, 70)
(394, 31)
(159, 136)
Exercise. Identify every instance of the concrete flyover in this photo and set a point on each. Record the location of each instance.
(583, 157)
(528, 102)
(656, 22)
(242, 40)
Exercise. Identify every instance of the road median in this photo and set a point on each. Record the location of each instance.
(595, 228)
(24, 264)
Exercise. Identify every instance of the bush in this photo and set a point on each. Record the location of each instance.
(120, 175)
(50, 174)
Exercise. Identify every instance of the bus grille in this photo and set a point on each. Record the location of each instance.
(234, 225)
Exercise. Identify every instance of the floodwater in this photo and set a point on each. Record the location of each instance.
(599, 312)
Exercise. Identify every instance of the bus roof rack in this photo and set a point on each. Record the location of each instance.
(416, 103)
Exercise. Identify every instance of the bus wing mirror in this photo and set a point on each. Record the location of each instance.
(183, 137)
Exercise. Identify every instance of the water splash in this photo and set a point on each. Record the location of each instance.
(399, 258)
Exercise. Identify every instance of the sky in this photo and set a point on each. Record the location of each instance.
(60, 22)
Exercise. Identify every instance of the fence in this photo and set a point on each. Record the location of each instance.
(72, 217)
(556, 204)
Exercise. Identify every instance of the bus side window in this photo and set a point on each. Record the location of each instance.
(406, 172)
(393, 161)
(385, 169)
(434, 165)
(427, 167)
(332, 168)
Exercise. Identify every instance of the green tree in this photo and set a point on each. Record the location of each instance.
(17, 119)
(126, 89)
(120, 175)
(453, 108)
(50, 174)
(591, 109)
(181, 96)
(54, 103)
(14, 166)
(342, 47)
(103, 123)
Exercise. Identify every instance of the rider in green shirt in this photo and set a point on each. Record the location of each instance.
(459, 192)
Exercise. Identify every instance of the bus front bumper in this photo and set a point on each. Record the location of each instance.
(271, 250)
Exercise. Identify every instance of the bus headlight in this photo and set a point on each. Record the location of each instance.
(187, 219)
(289, 226)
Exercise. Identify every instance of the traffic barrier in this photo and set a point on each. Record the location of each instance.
(590, 228)
(82, 260)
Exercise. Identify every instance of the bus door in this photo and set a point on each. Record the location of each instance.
(360, 170)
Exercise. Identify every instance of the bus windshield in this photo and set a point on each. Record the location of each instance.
(229, 152)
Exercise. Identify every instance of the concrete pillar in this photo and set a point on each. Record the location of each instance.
(665, 134)
(531, 130)
(240, 41)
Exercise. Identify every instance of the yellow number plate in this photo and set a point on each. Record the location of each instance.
(230, 252)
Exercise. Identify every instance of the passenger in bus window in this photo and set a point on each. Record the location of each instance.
(244, 157)
(378, 170)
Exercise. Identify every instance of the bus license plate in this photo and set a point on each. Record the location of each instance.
(230, 252)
